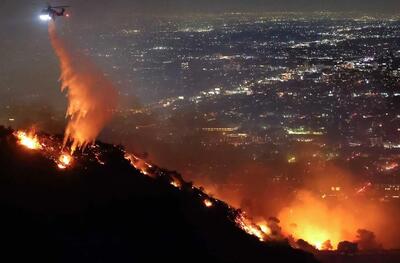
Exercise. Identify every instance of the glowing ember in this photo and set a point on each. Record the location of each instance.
(391, 166)
(97, 156)
(208, 203)
(176, 184)
(364, 188)
(131, 158)
(64, 161)
(30, 141)
(138, 164)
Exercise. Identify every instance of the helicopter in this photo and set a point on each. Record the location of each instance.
(51, 12)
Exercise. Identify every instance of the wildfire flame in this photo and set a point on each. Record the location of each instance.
(249, 227)
(139, 164)
(318, 245)
(310, 219)
(264, 228)
(64, 161)
(313, 221)
(261, 231)
(208, 203)
(30, 140)
(175, 183)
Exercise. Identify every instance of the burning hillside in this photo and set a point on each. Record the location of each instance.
(310, 217)
(105, 204)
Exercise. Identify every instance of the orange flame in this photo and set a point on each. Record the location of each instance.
(138, 163)
(64, 161)
(249, 227)
(208, 203)
(390, 166)
(30, 140)
(312, 220)
(264, 228)
(176, 183)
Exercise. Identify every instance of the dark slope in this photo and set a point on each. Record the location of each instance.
(112, 213)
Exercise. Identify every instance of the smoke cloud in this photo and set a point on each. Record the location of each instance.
(308, 213)
(92, 98)
(366, 240)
